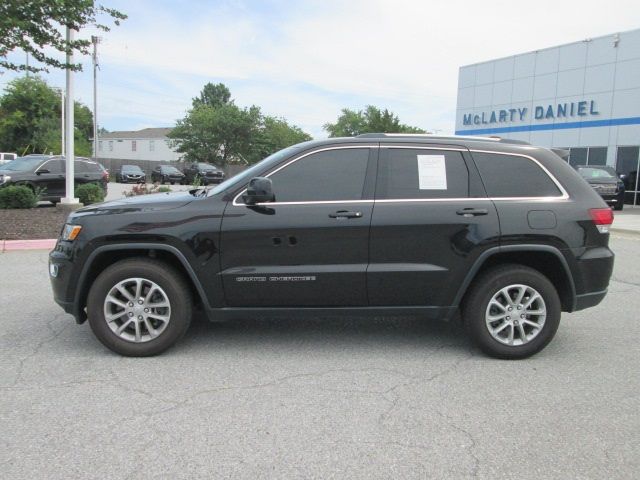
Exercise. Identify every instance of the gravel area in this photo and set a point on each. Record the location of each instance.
(44, 221)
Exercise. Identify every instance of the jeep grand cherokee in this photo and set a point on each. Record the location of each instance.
(507, 234)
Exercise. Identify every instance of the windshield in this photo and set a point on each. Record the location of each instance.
(206, 166)
(170, 170)
(597, 172)
(23, 164)
(244, 176)
(131, 168)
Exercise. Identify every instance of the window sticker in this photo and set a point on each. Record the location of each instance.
(432, 173)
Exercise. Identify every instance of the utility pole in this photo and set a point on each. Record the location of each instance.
(69, 198)
(95, 40)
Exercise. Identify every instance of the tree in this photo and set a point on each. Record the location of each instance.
(275, 135)
(217, 131)
(36, 27)
(213, 95)
(371, 120)
(30, 119)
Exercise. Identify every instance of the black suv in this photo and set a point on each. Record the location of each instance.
(205, 172)
(130, 174)
(606, 182)
(167, 173)
(48, 173)
(509, 235)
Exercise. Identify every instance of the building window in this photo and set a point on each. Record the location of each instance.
(588, 156)
(111, 145)
(152, 145)
(578, 156)
(597, 156)
(100, 145)
(133, 146)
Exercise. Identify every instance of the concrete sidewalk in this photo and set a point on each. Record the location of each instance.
(627, 221)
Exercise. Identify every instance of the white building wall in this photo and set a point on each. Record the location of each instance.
(605, 71)
(156, 149)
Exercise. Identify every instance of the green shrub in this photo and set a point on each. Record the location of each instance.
(90, 193)
(17, 196)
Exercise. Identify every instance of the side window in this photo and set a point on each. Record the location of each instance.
(80, 167)
(330, 175)
(407, 173)
(511, 176)
(54, 166)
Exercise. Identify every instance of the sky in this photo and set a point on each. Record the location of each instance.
(307, 60)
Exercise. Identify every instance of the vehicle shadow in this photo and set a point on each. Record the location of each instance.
(321, 333)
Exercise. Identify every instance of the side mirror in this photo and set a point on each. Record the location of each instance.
(259, 190)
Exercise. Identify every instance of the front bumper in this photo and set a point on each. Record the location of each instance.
(60, 275)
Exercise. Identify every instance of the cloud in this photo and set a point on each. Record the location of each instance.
(306, 60)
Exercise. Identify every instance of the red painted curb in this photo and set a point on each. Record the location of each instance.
(13, 245)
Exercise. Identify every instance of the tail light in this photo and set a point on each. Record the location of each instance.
(602, 218)
(105, 175)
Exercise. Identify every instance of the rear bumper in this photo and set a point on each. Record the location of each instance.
(593, 272)
(588, 300)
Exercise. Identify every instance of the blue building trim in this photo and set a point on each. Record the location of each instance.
(612, 122)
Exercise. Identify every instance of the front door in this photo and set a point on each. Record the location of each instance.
(310, 246)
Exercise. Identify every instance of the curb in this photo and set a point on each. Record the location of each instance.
(15, 245)
(626, 231)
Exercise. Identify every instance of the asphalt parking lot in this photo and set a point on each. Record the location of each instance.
(358, 398)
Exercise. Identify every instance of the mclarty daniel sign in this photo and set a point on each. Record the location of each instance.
(584, 108)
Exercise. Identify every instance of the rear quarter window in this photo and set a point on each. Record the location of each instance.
(514, 176)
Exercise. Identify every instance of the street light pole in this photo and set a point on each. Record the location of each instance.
(95, 40)
(69, 198)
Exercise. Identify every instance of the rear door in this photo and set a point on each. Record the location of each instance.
(51, 177)
(430, 222)
(310, 246)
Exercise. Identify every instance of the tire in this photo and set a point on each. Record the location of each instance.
(476, 311)
(140, 341)
(619, 206)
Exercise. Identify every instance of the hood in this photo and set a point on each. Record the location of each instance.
(141, 203)
(603, 180)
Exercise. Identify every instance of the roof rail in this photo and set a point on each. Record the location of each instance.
(491, 138)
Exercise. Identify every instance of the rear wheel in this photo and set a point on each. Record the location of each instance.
(139, 307)
(512, 311)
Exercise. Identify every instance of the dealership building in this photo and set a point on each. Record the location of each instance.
(582, 96)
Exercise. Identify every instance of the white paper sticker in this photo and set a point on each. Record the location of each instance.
(432, 173)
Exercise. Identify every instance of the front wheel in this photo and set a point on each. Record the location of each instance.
(139, 307)
(512, 311)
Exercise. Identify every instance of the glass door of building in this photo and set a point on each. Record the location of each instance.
(627, 166)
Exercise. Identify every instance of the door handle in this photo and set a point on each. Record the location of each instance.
(345, 214)
(472, 212)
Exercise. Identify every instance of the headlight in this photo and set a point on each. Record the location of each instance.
(5, 178)
(70, 232)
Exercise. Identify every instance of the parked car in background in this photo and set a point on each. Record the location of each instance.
(606, 182)
(130, 174)
(206, 172)
(167, 173)
(7, 157)
(48, 174)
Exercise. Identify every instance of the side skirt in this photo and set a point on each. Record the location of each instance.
(233, 313)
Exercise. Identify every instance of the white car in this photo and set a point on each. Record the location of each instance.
(7, 157)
